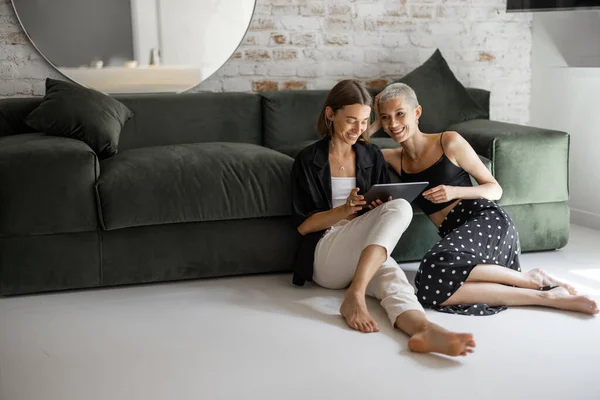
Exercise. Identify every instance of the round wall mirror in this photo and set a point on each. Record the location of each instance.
(136, 46)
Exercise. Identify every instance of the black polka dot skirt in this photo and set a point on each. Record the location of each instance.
(474, 232)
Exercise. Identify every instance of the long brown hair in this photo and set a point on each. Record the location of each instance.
(344, 93)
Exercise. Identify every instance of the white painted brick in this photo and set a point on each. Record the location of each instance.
(283, 2)
(388, 24)
(262, 9)
(323, 83)
(17, 87)
(285, 10)
(247, 69)
(339, 69)
(459, 28)
(370, 71)
(372, 56)
(370, 39)
(370, 9)
(293, 23)
(212, 84)
(395, 56)
(305, 39)
(237, 85)
(282, 69)
(354, 55)
(228, 70)
(310, 70)
(467, 12)
(395, 41)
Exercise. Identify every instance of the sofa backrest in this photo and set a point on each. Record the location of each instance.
(163, 119)
(272, 119)
(290, 117)
(13, 112)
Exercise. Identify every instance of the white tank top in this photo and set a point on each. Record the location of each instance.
(340, 189)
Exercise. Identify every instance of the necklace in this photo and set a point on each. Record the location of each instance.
(338, 160)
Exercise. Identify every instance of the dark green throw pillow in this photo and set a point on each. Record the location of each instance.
(72, 111)
(444, 99)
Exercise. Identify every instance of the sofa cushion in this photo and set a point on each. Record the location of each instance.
(72, 111)
(444, 99)
(193, 182)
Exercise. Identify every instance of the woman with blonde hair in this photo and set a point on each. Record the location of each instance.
(474, 269)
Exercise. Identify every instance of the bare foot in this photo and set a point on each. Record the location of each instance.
(560, 298)
(438, 340)
(541, 278)
(354, 310)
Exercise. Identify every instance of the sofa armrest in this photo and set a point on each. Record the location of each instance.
(531, 164)
(47, 185)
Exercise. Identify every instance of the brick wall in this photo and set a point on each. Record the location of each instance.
(312, 44)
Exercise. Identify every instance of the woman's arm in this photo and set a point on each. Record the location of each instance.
(459, 150)
(322, 220)
(376, 125)
(325, 219)
(309, 213)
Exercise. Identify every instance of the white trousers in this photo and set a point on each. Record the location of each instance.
(338, 252)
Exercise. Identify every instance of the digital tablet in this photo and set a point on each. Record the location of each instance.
(407, 191)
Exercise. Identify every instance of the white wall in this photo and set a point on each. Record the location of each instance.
(565, 96)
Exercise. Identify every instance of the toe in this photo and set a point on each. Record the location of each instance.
(362, 327)
(375, 326)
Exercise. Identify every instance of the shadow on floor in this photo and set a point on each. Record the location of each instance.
(277, 294)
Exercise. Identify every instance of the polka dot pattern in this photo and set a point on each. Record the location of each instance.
(496, 242)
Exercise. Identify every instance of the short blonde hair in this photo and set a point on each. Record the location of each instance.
(399, 90)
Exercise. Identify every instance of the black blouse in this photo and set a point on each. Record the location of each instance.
(311, 193)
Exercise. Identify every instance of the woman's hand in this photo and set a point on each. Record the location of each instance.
(377, 202)
(376, 107)
(354, 202)
(441, 194)
(376, 125)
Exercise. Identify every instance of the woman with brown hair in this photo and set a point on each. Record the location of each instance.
(347, 244)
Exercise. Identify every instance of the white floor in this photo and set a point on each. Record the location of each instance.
(261, 338)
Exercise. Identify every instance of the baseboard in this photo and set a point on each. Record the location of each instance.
(585, 218)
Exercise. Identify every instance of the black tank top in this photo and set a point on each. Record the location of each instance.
(443, 172)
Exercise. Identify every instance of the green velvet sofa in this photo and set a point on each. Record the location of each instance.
(200, 188)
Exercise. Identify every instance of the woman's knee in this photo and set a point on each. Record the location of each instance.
(400, 207)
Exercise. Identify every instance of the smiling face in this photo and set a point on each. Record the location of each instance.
(399, 118)
(349, 122)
